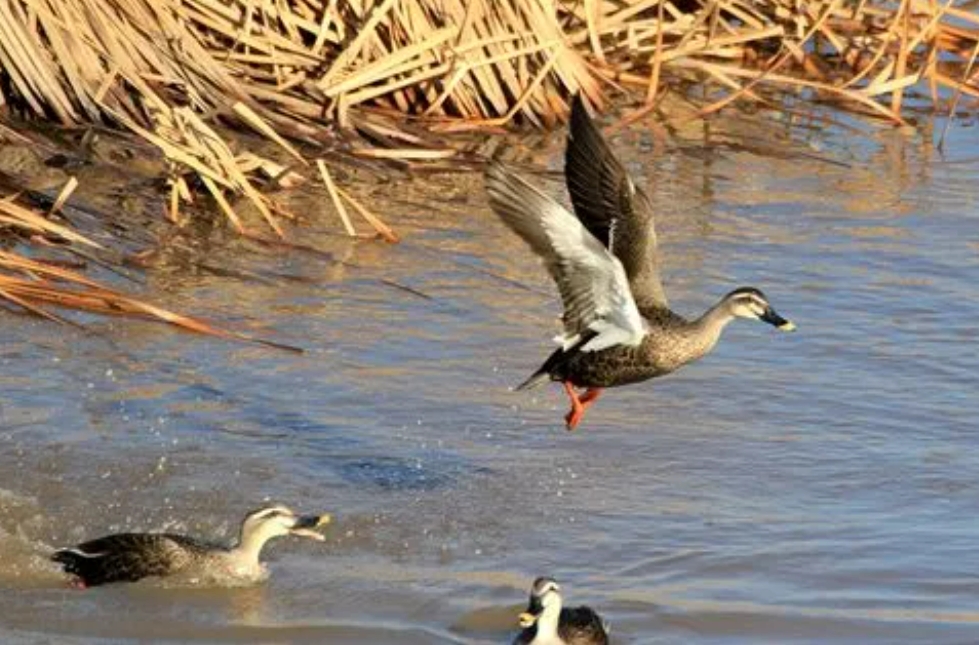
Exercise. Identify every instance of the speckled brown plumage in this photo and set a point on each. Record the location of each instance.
(127, 557)
(673, 341)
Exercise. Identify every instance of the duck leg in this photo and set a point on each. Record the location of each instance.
(579, 404)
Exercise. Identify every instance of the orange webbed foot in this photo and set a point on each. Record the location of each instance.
(578, 404)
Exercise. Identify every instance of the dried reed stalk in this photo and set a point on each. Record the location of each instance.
(31, 284)
(174, 71)
(169, 69)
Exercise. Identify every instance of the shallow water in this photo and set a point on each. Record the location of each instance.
(801, 488)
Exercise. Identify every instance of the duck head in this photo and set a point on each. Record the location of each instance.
(263, 524)
(544, 607)
(751, 303)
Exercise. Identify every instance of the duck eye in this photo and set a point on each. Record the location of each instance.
(757, 306)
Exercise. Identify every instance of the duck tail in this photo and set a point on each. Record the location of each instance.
(546, 372)
(87, 567)
(67, 557)
(72, 561)
(536, 379)
(551, 370)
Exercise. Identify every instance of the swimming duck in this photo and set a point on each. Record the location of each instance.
(618, 327)
(546, 622)
(127, 557)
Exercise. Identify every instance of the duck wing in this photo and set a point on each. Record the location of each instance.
(598, 304)
(612, 207)
(127, 557)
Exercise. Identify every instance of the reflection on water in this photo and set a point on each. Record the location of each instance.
(813, 488)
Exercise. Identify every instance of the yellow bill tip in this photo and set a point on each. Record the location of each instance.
(526, 619)
(307, 527)
(788, 325)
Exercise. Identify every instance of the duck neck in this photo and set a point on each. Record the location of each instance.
(249, 547)
(707, 329)
(547, 622)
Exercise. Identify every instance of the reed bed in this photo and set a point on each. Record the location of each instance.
(330, 73)
(322, 72)
(383, 81)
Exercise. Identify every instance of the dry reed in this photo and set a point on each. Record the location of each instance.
(170, 70)
(298, 70)
(35, 284)
(336, 75)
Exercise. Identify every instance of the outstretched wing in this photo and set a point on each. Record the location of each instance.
(592, 282)
(611, 207)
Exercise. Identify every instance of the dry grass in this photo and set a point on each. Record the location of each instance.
(318, 76)
(304, 70)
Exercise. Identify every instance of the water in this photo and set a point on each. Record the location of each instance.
(803, 488)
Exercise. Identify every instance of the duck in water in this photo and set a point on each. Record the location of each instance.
(546, 622)
(618, 327)
(127, 557)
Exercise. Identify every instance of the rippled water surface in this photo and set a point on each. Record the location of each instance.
(806, 488)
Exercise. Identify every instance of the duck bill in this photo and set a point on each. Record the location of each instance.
(306, 523)
(773, 319)
(526, 619)
(530, 615)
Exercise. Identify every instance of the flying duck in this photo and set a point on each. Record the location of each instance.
(618, 326)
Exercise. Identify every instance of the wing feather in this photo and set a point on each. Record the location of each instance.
(611, 207)
(126, 557)
(592, 282)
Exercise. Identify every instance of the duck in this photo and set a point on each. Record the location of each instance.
(618, 325)
(128, 557)
(547, 622)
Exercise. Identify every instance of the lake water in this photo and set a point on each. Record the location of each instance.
(814, 487)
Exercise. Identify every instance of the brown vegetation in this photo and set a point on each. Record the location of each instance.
(382, 80)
